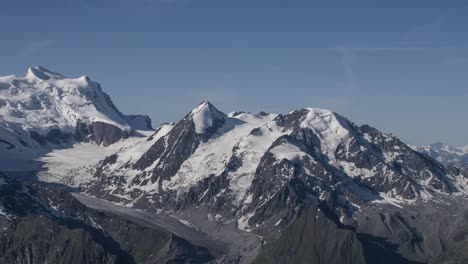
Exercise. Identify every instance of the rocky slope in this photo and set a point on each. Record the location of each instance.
(45, 224)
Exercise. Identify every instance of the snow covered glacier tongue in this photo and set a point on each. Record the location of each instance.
(267, 172)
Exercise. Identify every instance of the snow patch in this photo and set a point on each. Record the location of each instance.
(288, 151)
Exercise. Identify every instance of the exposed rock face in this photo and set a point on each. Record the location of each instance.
(54, 137)
(101, 133)
(313, 238)
(140, 122)
(97, 132)
(41, 240)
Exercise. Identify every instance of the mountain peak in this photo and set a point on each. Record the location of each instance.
(202, 105)
(42, 73)
(45, 100)
(204, 116)
(319, 111)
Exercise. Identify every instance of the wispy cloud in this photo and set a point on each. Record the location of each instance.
(35, 47)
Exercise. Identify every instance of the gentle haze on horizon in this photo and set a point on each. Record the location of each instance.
(401, 66)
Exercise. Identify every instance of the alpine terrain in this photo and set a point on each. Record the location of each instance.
(446, 154)
(83, 183)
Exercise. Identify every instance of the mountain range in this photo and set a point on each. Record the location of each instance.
(446, 154)
(307, 186)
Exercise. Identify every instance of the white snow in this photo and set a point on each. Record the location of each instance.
(279, 222)
(243, 222)
(235, 139)
(203, 117)
(185, 222)
(62, 165)
(248, 199)
(69, 165)
(43, 100)
(352, 170)
(4, 214)
(326, 125)
(390, 198)
(288, 152)
(212, 156)
(250, 150)
(128, 151)
(445, 153)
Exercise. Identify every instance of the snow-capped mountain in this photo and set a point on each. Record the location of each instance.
(45, 110)
(248, 188)
(207, 144)
(45, 101)
(446, 154)
(263, 172)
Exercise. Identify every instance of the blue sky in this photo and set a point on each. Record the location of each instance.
(401, 66)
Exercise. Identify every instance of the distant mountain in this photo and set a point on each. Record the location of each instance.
(45, 110)
(446, 154)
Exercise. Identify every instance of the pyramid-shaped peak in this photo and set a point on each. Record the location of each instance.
(204, 105)
(205, 115)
